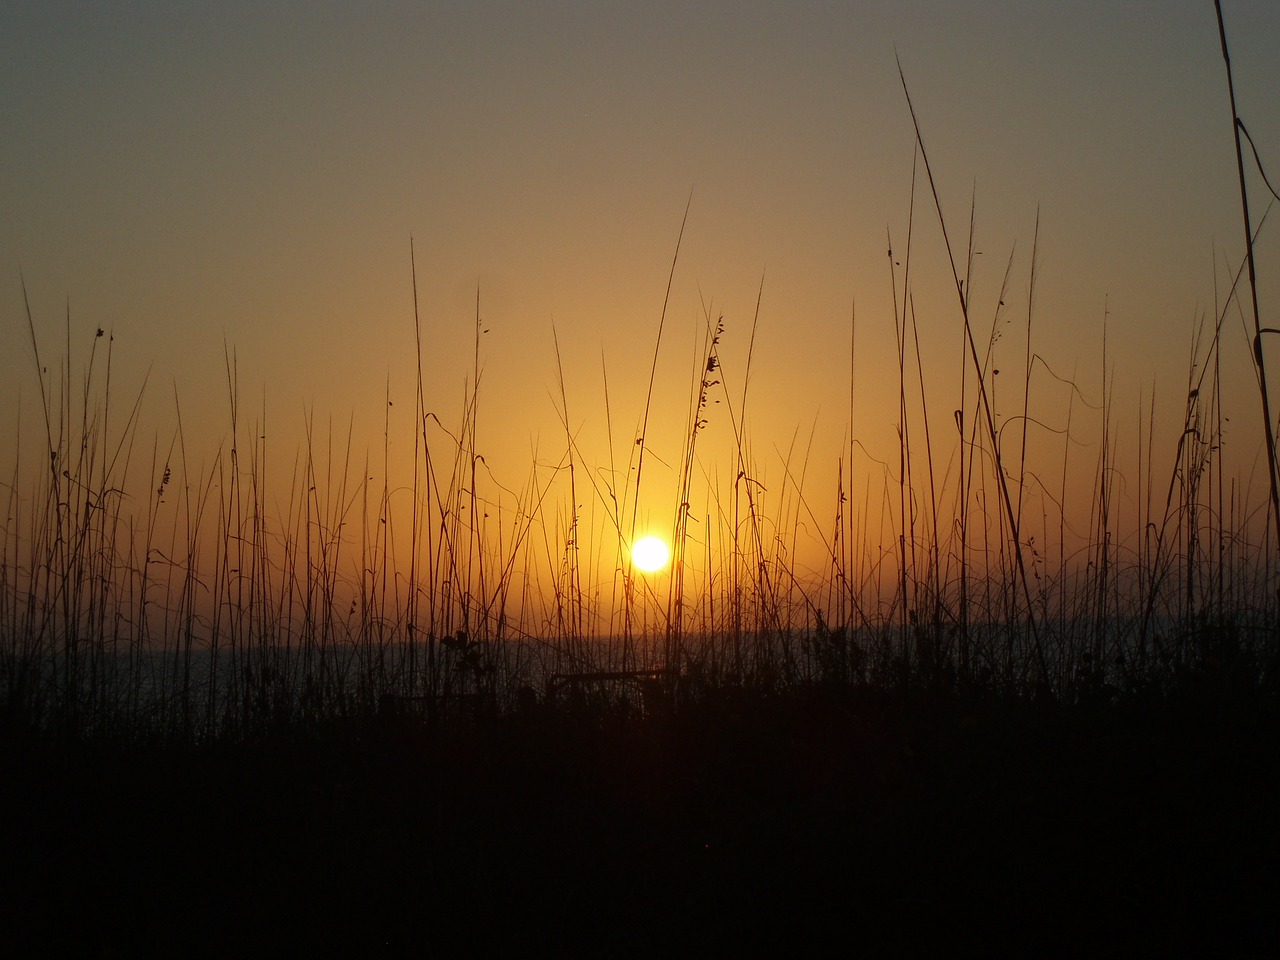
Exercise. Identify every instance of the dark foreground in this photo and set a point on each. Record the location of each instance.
(805, 825)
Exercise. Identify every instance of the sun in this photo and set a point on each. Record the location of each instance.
(650, 554)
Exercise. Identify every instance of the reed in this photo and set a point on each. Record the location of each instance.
(152, 589)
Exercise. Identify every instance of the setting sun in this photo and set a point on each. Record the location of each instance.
(650, 554)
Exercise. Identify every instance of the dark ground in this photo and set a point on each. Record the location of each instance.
(810, 825)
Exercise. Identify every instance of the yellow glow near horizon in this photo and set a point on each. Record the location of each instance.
(650, 554)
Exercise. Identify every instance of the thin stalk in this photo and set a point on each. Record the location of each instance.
(1258, 356)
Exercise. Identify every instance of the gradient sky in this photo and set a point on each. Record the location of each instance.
(187, 175)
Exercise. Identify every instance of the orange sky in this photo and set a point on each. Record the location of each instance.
(187, 177)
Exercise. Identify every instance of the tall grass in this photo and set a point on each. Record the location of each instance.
(147, 592)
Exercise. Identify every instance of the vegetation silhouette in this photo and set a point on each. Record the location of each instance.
(348, 725)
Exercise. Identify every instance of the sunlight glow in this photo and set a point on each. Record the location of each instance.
(650, 554)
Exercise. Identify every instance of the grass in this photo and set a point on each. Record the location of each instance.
(442, 710)
(147, 597)
(399, 711)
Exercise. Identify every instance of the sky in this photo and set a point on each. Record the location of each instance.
(202, 178)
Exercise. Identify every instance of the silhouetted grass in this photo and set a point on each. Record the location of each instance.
(227, 732)
(241, 716)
